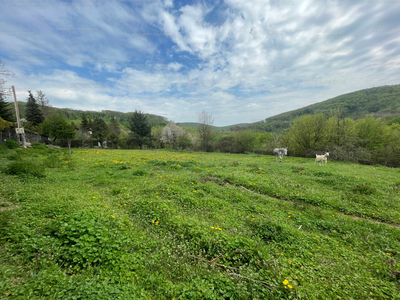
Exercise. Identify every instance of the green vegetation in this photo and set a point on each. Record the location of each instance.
(383, 101)
(130, 224)
(75, 115)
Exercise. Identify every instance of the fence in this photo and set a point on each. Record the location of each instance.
(30, 137)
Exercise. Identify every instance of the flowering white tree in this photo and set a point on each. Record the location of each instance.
(171, 133)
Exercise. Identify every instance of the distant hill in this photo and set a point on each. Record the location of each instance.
(379, 102)
(75, 115)
(216, 128)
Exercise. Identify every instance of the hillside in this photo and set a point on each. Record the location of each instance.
(75, 115)
(379, 102)
(216, 128)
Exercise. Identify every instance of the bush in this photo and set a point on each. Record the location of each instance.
(11, 144)
(39, 146)
(25, 168)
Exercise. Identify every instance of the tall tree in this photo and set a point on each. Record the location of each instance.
(204, 130)
(100, 130)
(5, 109)
(84, 122)
(114, 132)
(43, 103)
(33, 112)
(140, 127)
(84, 129)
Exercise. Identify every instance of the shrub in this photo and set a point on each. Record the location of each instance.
(11, 144)
(39, 146)
(25, 168)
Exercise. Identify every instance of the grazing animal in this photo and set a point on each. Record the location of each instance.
(280, 152)
(321, 158)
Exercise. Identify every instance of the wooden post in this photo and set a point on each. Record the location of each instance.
(20, 130)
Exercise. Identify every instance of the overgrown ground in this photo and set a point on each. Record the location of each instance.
(111, 224)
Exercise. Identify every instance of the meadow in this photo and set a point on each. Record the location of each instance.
(163, 224)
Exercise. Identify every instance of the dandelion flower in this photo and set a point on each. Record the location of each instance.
(289, 286)
(112, 217)
(285, 282)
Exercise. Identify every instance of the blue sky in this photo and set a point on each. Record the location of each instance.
(242, 61)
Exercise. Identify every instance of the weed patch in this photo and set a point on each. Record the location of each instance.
(25, 169)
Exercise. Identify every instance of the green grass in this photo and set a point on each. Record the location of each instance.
(111, 224)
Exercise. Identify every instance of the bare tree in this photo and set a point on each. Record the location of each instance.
(4, 74)
(204, 130)
(43, 103)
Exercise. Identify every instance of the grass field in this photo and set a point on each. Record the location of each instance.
(130, 224)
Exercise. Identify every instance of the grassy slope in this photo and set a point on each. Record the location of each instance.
(330, 231)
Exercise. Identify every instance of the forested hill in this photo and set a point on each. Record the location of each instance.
(379, 102)
(75, 115)
(216, 128)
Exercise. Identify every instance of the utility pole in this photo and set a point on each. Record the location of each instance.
(20, 131)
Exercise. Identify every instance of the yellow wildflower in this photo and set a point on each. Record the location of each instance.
(112, 217)
(289, 286)
(285, 282)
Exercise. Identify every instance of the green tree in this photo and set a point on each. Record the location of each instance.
(33, 112)
(100, 130)
(245, 140)
(84, 122)
(372, 133)
(307, 133)
(5, 109)
(114, 130)
(140, 127)
(57, 127)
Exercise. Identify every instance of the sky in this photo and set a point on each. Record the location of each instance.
(239, 60)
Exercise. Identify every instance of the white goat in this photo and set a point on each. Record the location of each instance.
(322, 158)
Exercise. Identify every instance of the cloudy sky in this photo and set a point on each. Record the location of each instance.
(240, 60)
